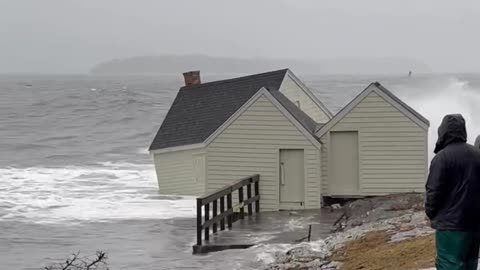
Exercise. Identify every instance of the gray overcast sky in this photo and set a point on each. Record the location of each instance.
(71, 36)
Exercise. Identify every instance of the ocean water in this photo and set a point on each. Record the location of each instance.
(75, 174)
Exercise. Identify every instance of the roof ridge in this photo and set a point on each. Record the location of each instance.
(356, 100)
(233, 79)
(301, 116)
(402, 103)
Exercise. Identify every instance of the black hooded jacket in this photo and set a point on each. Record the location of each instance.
(453, 185)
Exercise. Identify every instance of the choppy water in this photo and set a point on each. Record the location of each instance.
(75, 173)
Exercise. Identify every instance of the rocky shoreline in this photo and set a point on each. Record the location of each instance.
(394, 219)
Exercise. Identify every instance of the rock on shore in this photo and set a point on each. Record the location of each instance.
(401, 217)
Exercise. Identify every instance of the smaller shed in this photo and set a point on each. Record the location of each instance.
(375, 145)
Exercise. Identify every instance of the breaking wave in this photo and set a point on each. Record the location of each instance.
(440, 96)
(103, 192)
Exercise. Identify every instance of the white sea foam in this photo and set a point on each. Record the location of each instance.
(267, 254)
(97, 193)
(142, 150)
(444, 96)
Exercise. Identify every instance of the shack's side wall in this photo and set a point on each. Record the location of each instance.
(251, 144)
(295, 93)
(324, 163)
(181, 172)
(392, 149)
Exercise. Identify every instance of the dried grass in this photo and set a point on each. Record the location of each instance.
(374, 251)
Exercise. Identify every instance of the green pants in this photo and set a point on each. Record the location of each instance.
(457, 250)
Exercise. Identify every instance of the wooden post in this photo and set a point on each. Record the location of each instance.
(257, 192)
(240, 200)
(207, 214)
(214, 215)
(249, 195)
(199, 222)
(229, 206)
(222, 209)
(309, 231)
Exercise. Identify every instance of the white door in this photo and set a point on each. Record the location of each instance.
(291, 179)
(344, 178)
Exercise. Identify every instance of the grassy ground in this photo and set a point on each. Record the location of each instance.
(374, 251)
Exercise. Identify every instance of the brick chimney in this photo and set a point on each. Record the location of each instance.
(192, 77)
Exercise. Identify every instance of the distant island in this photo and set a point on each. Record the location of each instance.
(174, 64)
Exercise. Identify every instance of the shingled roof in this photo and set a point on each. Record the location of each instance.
(199, 110)
(307, 122)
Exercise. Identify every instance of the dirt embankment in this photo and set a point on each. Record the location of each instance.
(376, 251)
(408, 245)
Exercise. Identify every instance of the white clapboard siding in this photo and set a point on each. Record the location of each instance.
(181, 172)
(392, 148)
(295, 93)
(250, 145)
(324, 162)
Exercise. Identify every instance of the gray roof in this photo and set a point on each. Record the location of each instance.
(307, 122)
(408, 108)
(199, 110)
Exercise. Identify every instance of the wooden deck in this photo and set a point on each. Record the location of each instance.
(272, 227)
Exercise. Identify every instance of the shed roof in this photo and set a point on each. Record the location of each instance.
(199, 110)
(403, 104)
(307, 122)
(386, 94)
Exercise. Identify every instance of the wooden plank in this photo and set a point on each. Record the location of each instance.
(215, 195)
(257, 193)
(262, 131)
(240, 200)
(292, 141)
(239, 168)
(243, 137)
(214, 215)
(241, 183)
(199, 222)
(228, 189)
(230, 153)
(249, 195)
(217, 218)
(222, 210)
(220, 218)
(248, 163)
(229, 206)
(251, 200)
(207, 213)
(214, 248)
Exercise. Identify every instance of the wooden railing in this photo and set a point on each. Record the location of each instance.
(228, 213)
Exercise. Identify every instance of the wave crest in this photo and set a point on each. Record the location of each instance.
(448, 95)
(94, 193)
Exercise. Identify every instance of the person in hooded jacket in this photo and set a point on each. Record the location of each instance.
(453, 197)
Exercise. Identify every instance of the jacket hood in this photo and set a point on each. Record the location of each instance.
(451, 130)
